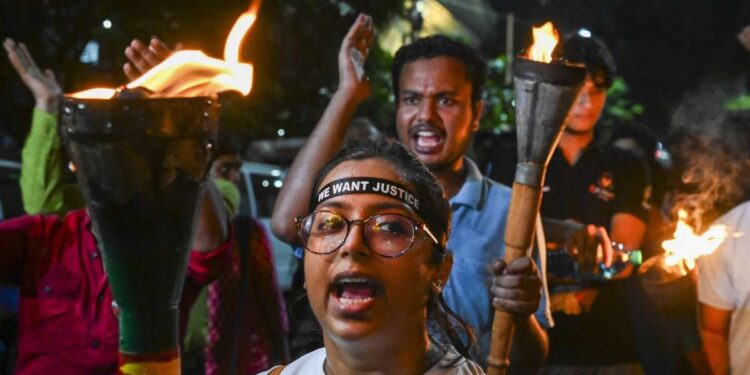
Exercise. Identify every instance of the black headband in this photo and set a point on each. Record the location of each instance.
(368, 185)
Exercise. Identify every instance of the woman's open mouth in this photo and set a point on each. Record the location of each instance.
(354, 295)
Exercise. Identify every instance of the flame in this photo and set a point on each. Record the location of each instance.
(238, 33)
(97, 93)
(687, 246)
(191, 73)
(545, 40)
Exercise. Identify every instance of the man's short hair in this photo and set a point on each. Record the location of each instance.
(440, 46)
(594, 54)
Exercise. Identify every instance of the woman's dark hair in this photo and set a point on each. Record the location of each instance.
(226, 143)
(436, 213)
(594, 54)
(442, 46)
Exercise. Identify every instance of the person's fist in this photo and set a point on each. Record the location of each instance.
(516, 287)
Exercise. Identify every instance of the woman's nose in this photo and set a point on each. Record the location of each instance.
(355, 242)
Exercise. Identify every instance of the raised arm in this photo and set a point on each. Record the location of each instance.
(42, 189)
(327, 137)
(210, 249)
(43, 86)
(142, 57)
(212, 228)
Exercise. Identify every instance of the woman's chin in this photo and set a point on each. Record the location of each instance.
(352, 330)
(354, 319)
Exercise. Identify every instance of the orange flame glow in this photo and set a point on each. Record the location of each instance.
(97, 93)
(545, 40)
(191, 73)
(687, 246)
(238, 33)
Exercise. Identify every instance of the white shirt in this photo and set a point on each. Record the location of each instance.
(724, 283)
(312, 364)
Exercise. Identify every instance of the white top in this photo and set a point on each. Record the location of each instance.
(312, 364)
(724, 283)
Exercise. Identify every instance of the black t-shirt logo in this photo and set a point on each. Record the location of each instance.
(604, 189)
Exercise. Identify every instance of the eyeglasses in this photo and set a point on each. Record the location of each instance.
(388, 235)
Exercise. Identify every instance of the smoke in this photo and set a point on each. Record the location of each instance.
(711, 149)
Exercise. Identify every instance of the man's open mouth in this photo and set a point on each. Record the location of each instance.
(426, 139)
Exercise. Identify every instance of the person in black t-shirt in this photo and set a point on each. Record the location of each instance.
(593, 196)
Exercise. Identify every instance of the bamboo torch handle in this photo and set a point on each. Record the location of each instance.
(524, 206)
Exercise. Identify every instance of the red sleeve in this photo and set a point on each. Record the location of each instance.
(15, 237)
(204, 267)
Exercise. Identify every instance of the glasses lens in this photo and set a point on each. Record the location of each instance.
(389, 235)
(323, 232)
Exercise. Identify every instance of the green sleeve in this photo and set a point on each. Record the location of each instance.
(230, 193)
(197, 326)
(42, 188)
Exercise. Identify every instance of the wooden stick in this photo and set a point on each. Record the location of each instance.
(524, 207)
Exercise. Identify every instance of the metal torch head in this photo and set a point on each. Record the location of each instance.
(544, 94)
(671, 288)
(141, 165)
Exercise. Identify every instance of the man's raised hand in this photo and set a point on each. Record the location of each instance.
(352, 57)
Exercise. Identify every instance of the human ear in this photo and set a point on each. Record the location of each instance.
(477, 114)
(443, 272)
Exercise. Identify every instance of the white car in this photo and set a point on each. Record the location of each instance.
(261, 185)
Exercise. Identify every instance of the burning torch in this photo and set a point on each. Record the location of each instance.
(545, 89)
(141, 154)
(141, 167)
(669, 278)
